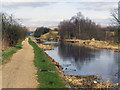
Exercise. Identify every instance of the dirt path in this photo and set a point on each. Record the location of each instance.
(20, 71)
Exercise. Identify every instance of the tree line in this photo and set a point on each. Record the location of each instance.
(12, 31)
(112, 34)
(40, 31)
(79, 27)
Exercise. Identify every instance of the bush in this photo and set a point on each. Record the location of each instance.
(12, 32)
(40, 31)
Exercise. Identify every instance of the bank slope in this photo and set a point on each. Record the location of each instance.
(47, 73)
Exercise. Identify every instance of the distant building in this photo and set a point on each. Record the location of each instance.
(119, 10)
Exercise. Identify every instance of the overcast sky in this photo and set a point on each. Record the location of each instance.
(35, 13)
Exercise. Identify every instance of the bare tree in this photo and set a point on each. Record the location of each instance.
(116, 13)
(115, 16)
(80, 28)
(12, 32)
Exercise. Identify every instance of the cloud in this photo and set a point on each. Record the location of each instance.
(23, 19)
(98, 6)
(60, 0)
(47, 14)
(42, 23)
(24, 4)
(34, 22)
(104, 21)
(20, 0)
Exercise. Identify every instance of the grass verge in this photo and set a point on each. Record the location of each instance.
(7, 53)
(46, 79)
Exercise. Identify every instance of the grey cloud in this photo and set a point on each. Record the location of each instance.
(24, 19)
(29, 22)
(105, 22)
(46, 22)
(97, 6)
(24, 4)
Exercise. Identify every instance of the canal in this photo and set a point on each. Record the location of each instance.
(77, 60)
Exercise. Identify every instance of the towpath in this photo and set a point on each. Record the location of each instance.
(20, 71)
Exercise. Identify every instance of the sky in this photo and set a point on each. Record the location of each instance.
(36, 13)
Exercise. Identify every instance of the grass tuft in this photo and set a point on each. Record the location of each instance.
(7, 53)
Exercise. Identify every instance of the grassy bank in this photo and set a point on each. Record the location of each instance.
(47, 73)
(7, 53)
(95, 44)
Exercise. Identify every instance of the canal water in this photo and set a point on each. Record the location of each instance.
(77, 60)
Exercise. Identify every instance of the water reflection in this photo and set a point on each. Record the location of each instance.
(77, 53)
(85, 61)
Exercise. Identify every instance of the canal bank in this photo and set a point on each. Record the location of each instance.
(47, 73)
(88, 81)
(95, 44)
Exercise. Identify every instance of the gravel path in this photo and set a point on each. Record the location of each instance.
(20, 71)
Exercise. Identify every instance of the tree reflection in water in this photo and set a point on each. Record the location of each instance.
(85, 61)
(80, 55)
